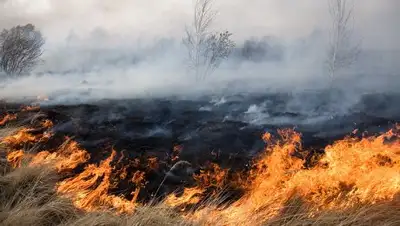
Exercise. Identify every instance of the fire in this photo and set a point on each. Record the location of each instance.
(30, 108)
(23, 136)
(47, 124)
(15, 158)
(7, 118)
(67, 157)
(90, 189)
(189, 196)
(213, 177)
(352, 172)
(212, 182)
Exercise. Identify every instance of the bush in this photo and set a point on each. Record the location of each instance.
(20, 49)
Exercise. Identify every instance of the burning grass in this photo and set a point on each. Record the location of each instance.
(28, 197)
(356, 182)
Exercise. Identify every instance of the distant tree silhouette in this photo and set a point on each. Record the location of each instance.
(342, 52)
(206, 49)
(20, 49)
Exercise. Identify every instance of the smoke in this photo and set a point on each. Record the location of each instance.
(102, 49)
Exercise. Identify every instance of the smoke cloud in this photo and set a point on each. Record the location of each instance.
(107, 49)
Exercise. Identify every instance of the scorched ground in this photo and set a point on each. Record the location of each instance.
(253, 153)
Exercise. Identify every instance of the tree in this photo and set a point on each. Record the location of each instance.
(206, 49)
(20, 49)
(343, 52)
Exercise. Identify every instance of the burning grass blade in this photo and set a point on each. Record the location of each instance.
(7, 118)
(356, 182)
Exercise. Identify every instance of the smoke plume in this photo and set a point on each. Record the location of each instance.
(103, 49)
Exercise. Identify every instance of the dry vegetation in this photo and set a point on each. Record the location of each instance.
(28, 196)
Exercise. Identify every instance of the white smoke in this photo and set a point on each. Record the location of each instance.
(132, 48)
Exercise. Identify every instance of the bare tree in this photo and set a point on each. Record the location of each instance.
(206, 49)
(343, 51)
(20, 49)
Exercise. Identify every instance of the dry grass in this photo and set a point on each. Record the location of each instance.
(28, 197)
(149, 216)
(386, 214)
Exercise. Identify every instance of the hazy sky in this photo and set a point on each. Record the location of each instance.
(377, 20)
(107, 60)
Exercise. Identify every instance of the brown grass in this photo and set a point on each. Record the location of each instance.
(386, 214)
(28, 197)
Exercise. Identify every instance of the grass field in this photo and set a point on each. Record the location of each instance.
(28, 196)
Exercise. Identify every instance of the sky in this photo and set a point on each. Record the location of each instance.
(109, 34)
(376, 21)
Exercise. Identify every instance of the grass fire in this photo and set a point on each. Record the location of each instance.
(199, 113)
(47, 173)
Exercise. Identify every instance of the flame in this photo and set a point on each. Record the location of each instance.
(352, 172)
(23, 136)
(214, 176)
(89, 189)
(7, 118)
(15, 158)
(47, 124)
(189, 196)
(30, 108)
(66, 158)
(210, 179)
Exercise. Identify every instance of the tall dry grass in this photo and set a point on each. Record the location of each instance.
(297, 213)
(385, 214)
(28, 197)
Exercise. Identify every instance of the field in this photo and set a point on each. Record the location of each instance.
(254, 159)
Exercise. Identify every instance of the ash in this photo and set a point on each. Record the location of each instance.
(222, 129)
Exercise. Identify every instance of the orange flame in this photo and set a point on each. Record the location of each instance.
(21, 137)
(352, 172)
(47, 123)
(15, 158)
(66, 158)
(89, 189)
(213, 177)
(189, 196)
(7, 118)
(30, 108)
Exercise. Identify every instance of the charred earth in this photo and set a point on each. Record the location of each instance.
(151, 135)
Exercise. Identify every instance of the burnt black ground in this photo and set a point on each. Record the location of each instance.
(223, 129)
(230, 125)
